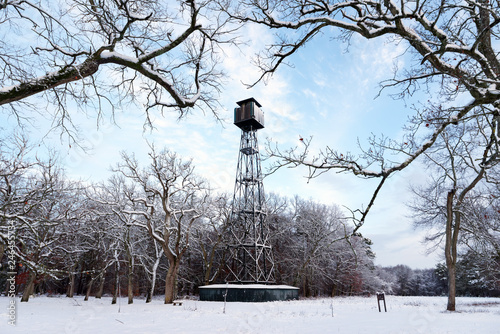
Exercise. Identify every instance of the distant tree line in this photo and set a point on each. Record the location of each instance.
(158, 229)
(473, 280)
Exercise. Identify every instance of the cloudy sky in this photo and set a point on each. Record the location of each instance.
(329, 94)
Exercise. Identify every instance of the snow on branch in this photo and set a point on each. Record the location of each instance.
(162, 59)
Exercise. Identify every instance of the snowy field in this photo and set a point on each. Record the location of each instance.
(329, 315)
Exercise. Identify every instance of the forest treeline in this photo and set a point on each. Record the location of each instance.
(159, 229)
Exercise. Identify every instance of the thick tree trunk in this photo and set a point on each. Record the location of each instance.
(208, 272)
(305, 286)
(101, 286)
(451, 287)
(28, 289)
(149, 295)
(453, 222)
(115, 295)
(117, 285)
(130, 289)
(450, 255)
(170, 282)
(71, 286)
(89, 289)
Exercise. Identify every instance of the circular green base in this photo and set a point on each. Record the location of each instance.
(248, 292)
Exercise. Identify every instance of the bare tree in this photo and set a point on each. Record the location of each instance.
(37, 209)
(460, 161)
(97, 53)
(169, 201)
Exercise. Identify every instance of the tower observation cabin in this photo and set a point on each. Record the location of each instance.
(248, 116)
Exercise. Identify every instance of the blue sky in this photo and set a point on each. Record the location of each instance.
(327, 94)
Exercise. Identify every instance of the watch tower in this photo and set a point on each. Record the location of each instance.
(250, 257)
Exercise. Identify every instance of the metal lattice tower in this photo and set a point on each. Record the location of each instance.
(250, 257)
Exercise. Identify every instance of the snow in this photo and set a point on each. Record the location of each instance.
(45, 314)
(114, 54)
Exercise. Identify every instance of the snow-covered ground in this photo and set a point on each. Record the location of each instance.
(44, 314)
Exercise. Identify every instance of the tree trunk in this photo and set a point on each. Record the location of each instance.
(153, 280)
(130, 289)
(451, 287)
(209, 277)
(305, 286)
(450, 256)
(101, 286)
(149, 295)
(117, 284)
(453, 222)
(208, 271)
(170, 282)
(334, 290)
(115, 294)
(89, 288)
(28, 289)
(71, 286)
(2, 250)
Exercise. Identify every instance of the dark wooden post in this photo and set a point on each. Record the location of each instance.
(381, 296)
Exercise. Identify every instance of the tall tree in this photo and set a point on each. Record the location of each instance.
(460, 162)
(169, 200)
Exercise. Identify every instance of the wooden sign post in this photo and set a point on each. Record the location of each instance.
(381, 296)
